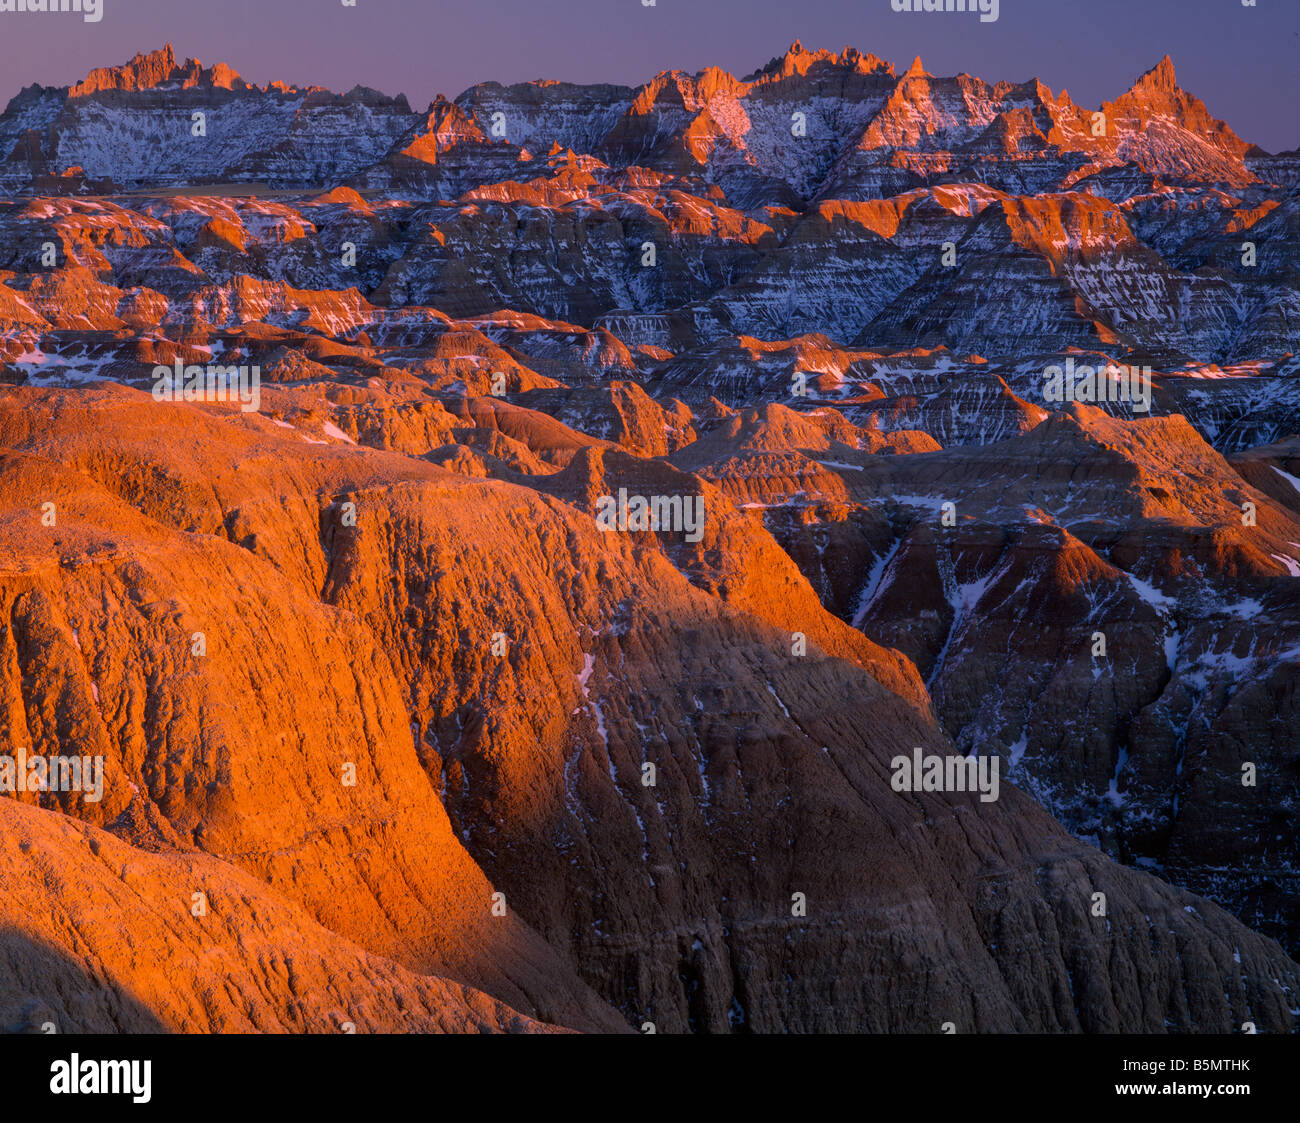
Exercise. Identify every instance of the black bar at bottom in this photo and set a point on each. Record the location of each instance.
(334, 1073)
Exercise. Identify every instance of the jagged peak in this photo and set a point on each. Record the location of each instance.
(1043, 91)
(145, 69)
(165, 55)
(151, 69)
(798, 60)
(1160, 77)
(917, 70)
(447, 119)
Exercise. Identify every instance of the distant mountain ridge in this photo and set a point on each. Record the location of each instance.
(860, 130)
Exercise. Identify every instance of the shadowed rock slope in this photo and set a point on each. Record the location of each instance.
(500, 674)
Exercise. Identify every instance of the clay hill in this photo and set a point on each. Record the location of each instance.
(395, 737)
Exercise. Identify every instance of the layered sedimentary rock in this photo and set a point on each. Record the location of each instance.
(1125, 644)
(439, 750)
(673, 901)
(101, 937)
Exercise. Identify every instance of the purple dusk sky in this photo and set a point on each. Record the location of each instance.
(1241, 61)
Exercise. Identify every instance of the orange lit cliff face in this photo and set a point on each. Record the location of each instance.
(505, 567)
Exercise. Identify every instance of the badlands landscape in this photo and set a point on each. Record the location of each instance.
(410, 719)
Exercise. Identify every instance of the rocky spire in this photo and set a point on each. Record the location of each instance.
(1159, 77)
